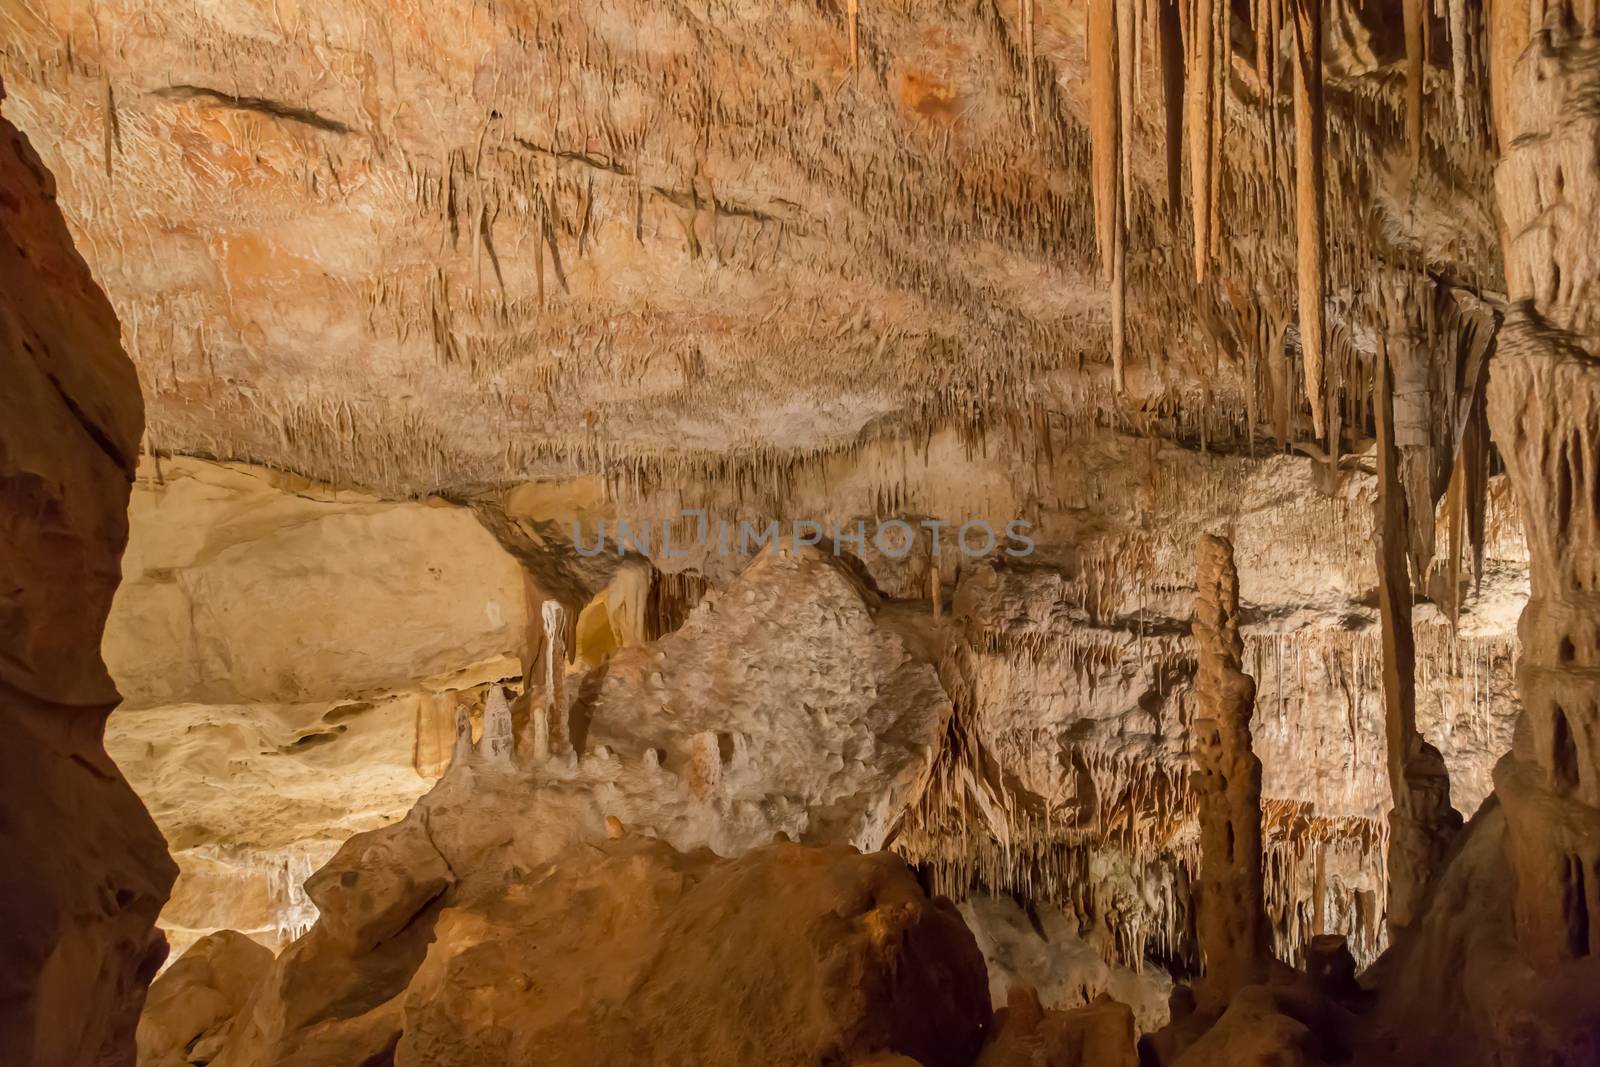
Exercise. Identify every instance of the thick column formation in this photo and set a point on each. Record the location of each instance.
(1544, 408)
(1422, 823)
(1231, 920)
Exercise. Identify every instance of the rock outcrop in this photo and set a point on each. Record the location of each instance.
(630, 952)
(194, 1002)
(1026, 1035)
(86, 871)
(1544, 406)
(247, 586)
(286, 649)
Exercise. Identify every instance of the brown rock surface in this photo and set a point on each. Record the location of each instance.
(85, 870)
(1026, 1035)
(630, 952)
(194, 1001)
(244, 585)
(376, 883)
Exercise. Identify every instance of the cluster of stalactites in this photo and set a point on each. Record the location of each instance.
(1196, 53)
(1324, 874)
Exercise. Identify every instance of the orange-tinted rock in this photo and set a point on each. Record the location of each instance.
(196, 998)
(85, 871)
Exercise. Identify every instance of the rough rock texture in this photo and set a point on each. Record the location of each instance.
(247, 586)
(376, 884)
(281, 644)
(1026, 1035)
(805, 262)
(85, 871)
(791, 699)
(1044, 948)
(630, 952)
(1544, 405)
(190, 1007)
(1230, 917)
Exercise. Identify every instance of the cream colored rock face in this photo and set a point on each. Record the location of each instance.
(277, 643)
(242, 586)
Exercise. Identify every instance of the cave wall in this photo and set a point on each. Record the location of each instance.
(86, 870)
(282, 647)
(1544, 405)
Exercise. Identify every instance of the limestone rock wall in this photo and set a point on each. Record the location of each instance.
(245, 586)
(1544, 406)
(86, 871)
(282, 646)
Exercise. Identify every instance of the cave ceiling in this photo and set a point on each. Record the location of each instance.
(432, 247)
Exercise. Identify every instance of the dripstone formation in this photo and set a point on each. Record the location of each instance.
(1230, 919)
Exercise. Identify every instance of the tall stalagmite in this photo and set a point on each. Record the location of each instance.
(1422, 824)
(553, 737)
(1231, 914)
(1544, 408)
(1310, 130)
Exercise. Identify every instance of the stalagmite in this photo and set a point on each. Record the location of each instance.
(1310, 124)
(555, 677)
(1422, 824)
(496, 743)
(1231, 920)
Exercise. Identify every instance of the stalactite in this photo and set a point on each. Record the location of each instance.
(853, 15)
(1415, 15)
(1126, 71)
(1105, 122)
(1172, 73)
(1310, 122)
(1201, 83)
(1029, 61)
(1459, 47)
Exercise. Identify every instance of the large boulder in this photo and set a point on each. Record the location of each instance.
(377, 883)
(632, 952)
(191, 1005)
(1100, 1034)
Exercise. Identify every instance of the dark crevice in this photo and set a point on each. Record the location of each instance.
(101, 439)
(260, 105)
